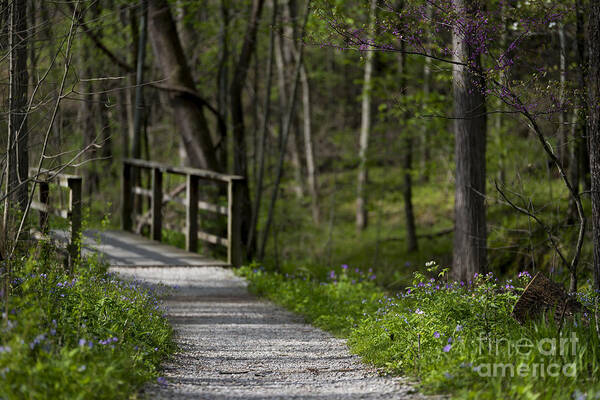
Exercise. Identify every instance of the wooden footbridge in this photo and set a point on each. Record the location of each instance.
(127, 247)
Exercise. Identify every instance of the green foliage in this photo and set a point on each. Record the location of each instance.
(452, 337)
(87, 336)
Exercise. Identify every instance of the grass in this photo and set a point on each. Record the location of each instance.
(83, 336)
(452, 338)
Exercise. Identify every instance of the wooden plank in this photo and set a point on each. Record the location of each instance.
(201, 173)
(214, 239)
(141, 191)
(48, 209)
(49, 175)
(202, 205)
(191, 214)
(156, 206)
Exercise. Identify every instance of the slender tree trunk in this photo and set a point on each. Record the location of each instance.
(240, 162)
(365, 130)
(594, 129)
(308, 144)
(407, 163)
(123, 96)
(90, 175)
(263, 131)
(289, 115)
(581, 141)
(222, 81)
(189, 114)
(425, 138)
(469, 250)
(287, 41)
(138, 114)
(499, 118)
(563, 146)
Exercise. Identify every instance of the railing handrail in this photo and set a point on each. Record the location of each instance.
(72, 213)
(201, 173)
(192, 204)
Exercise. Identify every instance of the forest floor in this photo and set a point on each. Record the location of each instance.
(233, 345)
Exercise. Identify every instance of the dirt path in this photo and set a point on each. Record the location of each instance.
(235, 346)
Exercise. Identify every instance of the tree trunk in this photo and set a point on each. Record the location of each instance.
(240, 161)
(90, 175)
(469, 250)
(407, 163)
(308, 144)
(288, 50)
(594, 129)
(189, 113)
(365, 129)
(284, 138)
(222, 82)
(425, 138)
(264, 130)
(17, 159)
(563, 147)
(138, 113)
(581, 140)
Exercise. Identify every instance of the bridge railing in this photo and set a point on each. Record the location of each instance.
(192, 203)
(71, 212)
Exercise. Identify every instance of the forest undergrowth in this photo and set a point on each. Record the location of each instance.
(450, 337)
(83, 335)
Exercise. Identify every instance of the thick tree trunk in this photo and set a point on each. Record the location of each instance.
(189, 113)
(365, 130)
(469, 250)
(594, 129)
(240, 161)
(17, 159)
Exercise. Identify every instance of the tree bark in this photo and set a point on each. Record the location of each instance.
(189, 114)
(563, 147)
(308, 144)
(222, 81)
(407, 164)
(594, 129)
(289, 115)
(469, 248)
(240, 161)
(365, 128)
(425, 138)
(17, 159)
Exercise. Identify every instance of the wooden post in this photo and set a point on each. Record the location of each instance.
(234, 222)
(156, 204)
(127, 198)
(44, 199)
(191, 215)
(75, 216)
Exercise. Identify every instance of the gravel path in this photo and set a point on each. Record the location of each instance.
(235, 346)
